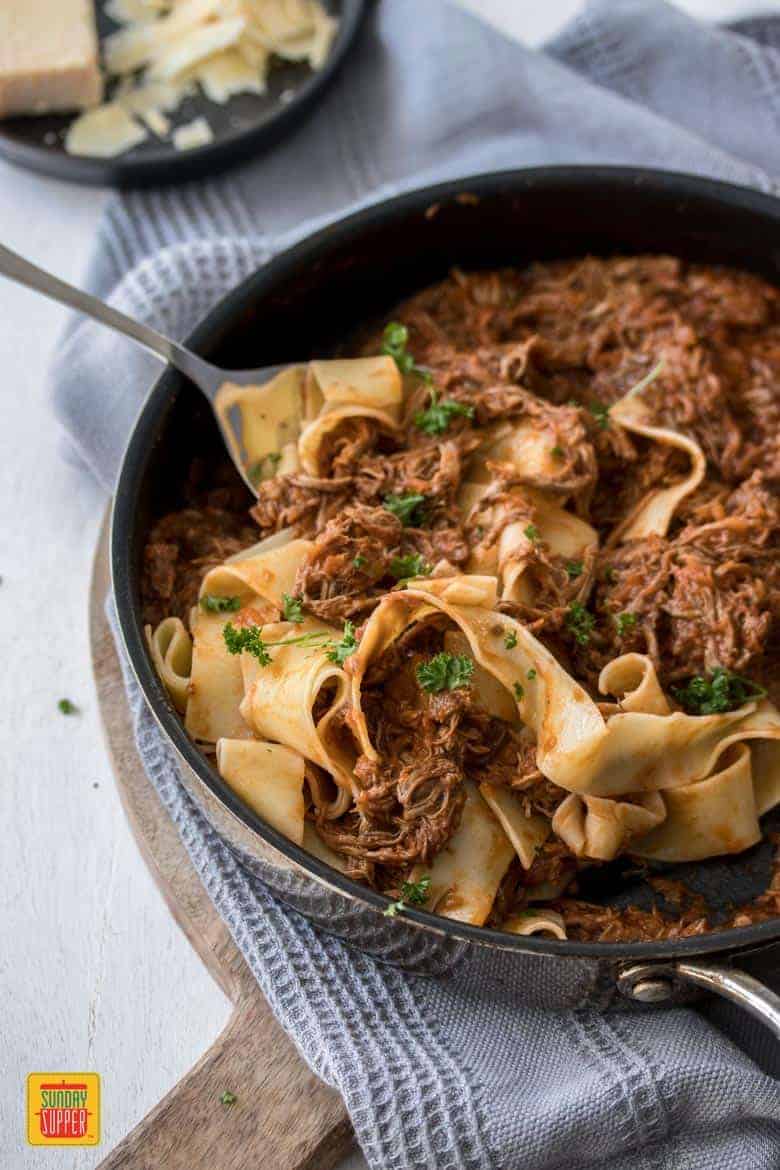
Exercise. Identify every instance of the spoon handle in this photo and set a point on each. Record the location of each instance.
(15, 267)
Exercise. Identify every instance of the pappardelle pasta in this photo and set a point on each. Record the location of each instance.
(510, 616)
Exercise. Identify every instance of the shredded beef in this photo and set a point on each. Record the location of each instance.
(706, 597)
(410, 800)
(181, 548)
(349, 567)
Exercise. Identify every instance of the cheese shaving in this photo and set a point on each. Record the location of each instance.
(194, 46)
(157, 123)
(195, 133)
(164, 50)
(104, 132)
(226, 74)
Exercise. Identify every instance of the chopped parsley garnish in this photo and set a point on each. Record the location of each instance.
(510, 639)
(610, 576)
(580, 622)
(213, 603)
(531, 532)
(445, 672)
(625, 622)
(66, 707)
(268, 462)
(292, 609)
(722, 691)
(412, 894)
(348, 645)
(601, 414)
(557, 451)
(228, 1098)
(519, 692)
(394, 342)
(439, 415)
(531, 674)
(574, 569)
(409, 508)
(413, 565)
(250, 639)
(359, 561)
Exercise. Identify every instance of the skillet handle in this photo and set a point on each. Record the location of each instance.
(659, 982)
(743, 989)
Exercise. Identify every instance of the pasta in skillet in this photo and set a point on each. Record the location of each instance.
(493, 636)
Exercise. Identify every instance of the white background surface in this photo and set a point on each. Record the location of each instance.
(94, 975)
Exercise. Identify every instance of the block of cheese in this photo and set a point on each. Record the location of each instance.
(48, 56)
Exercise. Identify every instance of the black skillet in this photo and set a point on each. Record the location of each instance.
(300, 305)
(244, 126)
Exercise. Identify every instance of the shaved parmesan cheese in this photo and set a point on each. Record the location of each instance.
(104, 132)
(157, 122)
(131, 47)
(157, 95)
(192, 134)
(165, 49)
(198, 44)
(227, 74)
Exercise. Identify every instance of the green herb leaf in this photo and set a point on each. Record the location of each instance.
(412, 894)
(394, 342)
(625, 622)
(574, 569)
(601, 414)
(250, 639)
(228, 1098)
(348, 645)
(510, 639)
(519, 691)
(413, 565)
(557, 451)
(531, 674)
(359, 561)
(292, 609)
(445, 672)
(213, 603)
(267, 464)
(439, 415)
(531, 532)
(722, 691)
(580, 622)
(66, 707)
(610, 576)
(409, 508)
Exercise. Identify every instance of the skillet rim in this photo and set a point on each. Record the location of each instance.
(145, 433)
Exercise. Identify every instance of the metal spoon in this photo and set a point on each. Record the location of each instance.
(206, 377)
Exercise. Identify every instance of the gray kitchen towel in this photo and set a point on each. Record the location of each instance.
(450, 1073)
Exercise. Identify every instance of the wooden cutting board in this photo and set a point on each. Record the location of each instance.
(284, 1117)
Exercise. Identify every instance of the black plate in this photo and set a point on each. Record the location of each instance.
(242, 127)
(303, 303)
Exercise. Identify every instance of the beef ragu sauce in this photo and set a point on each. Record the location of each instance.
(558, 343)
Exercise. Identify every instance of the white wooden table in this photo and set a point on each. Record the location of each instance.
(94, 975)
